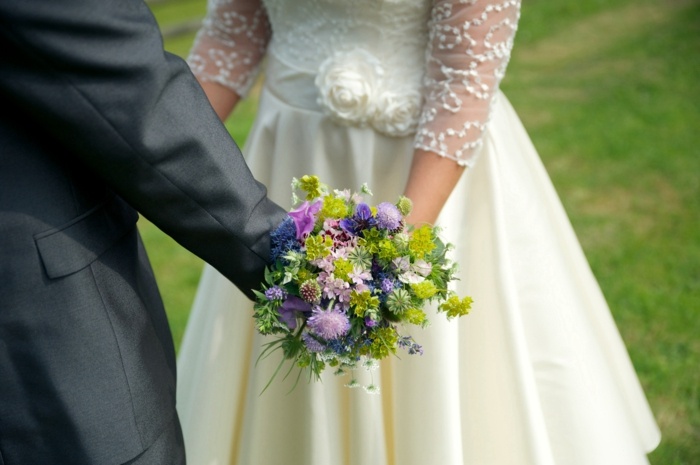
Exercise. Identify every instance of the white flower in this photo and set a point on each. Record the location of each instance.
(411, 277)
(347, 84)
(353, 90)
(397, 112)
(422, 267)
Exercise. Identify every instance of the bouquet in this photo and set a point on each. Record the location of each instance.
(347, 279)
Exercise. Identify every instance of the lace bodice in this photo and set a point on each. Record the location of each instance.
(426, 67)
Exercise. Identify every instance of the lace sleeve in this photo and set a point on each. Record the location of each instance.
(468, 51)
(231, 43)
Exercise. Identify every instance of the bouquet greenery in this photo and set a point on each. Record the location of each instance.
(347, 279)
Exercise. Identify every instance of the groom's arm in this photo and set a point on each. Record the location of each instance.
(94, 74)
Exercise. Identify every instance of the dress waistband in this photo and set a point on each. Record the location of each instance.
(291, 85)
(351, 88)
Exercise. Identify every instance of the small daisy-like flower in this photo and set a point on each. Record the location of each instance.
(370, 364)
(388, 216)
(372, 389)
(329, 324)
(334, 288)
(353, 384)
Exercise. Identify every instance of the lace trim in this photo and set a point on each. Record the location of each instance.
(230, 45)
(403, 66)
(468, 52)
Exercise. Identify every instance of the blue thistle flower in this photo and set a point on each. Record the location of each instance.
(338, 346)
(283, 239)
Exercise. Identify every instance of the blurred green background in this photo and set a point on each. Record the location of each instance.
(609, 91)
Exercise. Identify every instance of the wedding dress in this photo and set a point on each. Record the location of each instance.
(536, 374)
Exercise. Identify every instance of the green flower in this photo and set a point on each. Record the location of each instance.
(311, 185)
(405, 205)
(333, 207)
(421, 242)
(342, 270)
(370, 240)
(318, 247)
(415, 316)
(303, 275)
(387, 250)
(363, 302)
(360, 257)
(398, 301)
(454, 306)
(424, 290)
(384, 342)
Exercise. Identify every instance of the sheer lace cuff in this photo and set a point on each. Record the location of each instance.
(468, 51)
(231, 43)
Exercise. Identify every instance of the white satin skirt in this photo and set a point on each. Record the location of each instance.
(537, 374)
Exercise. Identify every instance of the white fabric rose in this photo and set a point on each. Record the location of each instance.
(347, 84)
(397, 112)
(353, 91)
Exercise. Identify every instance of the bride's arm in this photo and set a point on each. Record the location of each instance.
(468, 51)
(228, 49)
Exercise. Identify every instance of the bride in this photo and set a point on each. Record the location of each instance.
(404, 95)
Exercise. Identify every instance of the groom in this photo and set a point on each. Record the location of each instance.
(97, 123)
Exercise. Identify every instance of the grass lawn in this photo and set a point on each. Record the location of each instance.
(609, 91)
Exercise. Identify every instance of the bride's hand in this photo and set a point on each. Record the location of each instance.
(430, 182)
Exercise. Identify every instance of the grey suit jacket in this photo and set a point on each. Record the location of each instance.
(97, 123)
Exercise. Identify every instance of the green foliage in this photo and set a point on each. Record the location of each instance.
(609, 91)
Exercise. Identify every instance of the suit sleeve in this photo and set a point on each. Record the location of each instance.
(94, 74)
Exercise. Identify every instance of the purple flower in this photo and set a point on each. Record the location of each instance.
(388, 216)
(413, 348)
(275, 293)
(362, 219)
(334, 287)
(311, 343)
(387, 285)
(329, 324)
(290, 308)
(305, 217)
(370, 323)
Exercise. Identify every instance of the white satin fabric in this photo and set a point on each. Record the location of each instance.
(537, 374)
